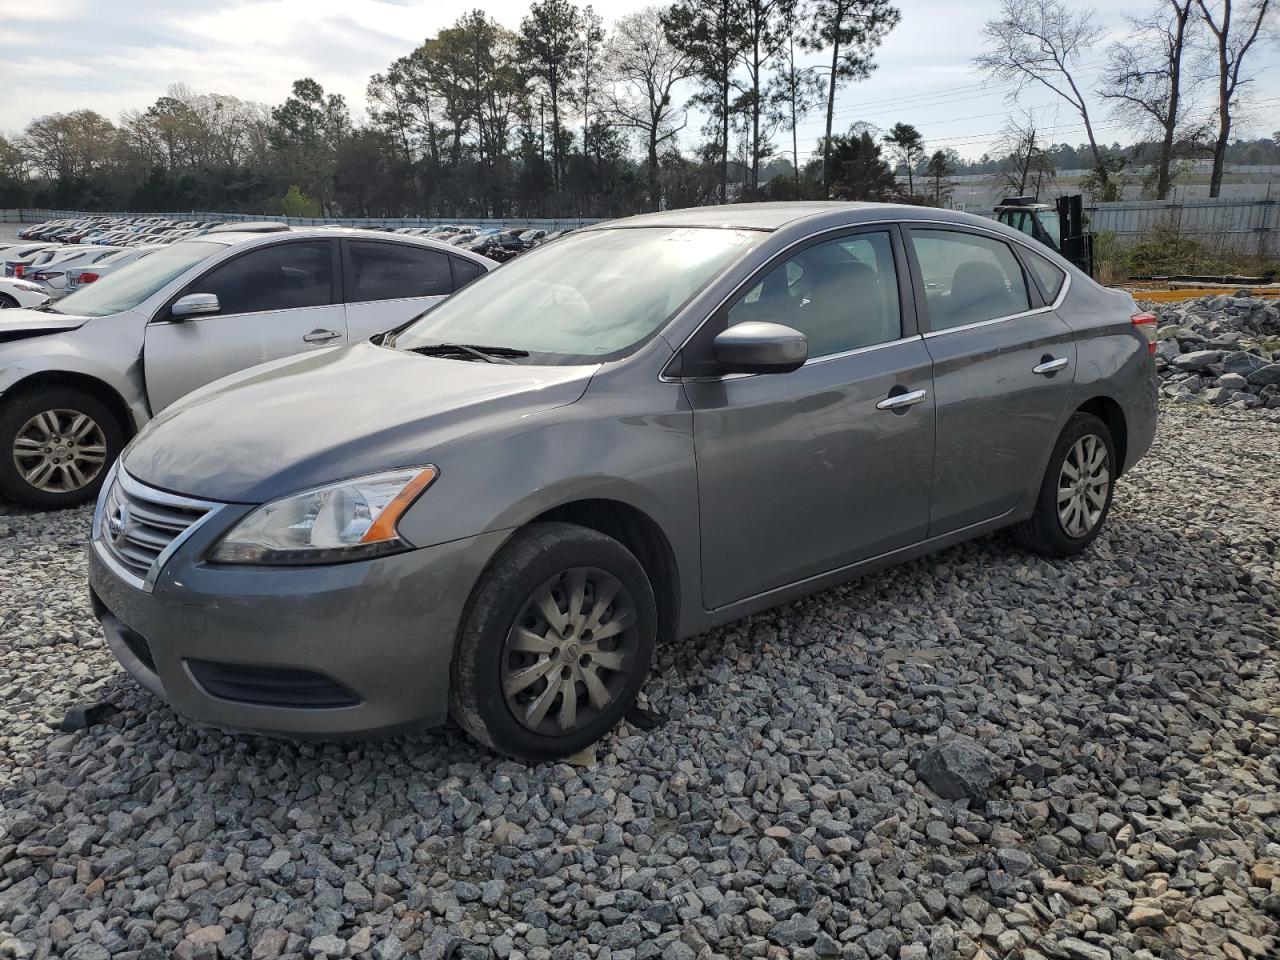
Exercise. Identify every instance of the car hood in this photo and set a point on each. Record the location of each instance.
(341, 412)
(20, 324)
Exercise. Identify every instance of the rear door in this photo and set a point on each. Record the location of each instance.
(1003, 367)
(386, 283)
(276, 300)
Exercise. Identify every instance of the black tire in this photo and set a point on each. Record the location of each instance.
(7, 302)
(1044, 531)
(14, 415)
(525, 564)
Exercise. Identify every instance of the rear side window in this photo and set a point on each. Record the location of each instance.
(968, 278)
(464, 271)
(1051, 276)
(841, 294)
(283, 276)
(394, 271)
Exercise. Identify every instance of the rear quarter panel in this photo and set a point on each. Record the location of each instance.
(1112, 360)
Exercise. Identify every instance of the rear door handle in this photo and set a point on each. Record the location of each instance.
(899, 401)
(321, 336)
(1049, 367)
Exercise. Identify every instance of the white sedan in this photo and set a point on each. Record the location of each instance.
(20, 293)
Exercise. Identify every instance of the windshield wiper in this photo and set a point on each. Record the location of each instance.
(479, 351)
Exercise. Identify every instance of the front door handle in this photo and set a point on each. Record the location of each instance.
(321, 336)
(900, 401)
(1049, 367)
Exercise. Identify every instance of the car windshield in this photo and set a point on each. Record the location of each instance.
(133, 283)
(589, 297)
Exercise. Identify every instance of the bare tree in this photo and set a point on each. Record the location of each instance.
(1234, 34)
(1023, 162)
(795, 92)
(1149, 90)
(643, 70)
(766, 25)
(1042, 42)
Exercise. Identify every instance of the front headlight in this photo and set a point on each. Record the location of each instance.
(349, 520)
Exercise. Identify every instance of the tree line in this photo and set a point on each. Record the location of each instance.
(569, 116)
(1155, 78)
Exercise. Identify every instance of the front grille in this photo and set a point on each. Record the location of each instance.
(271, 686)
(138, 523)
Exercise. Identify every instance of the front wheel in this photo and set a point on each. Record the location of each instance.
(1075, 494)
(56, 444)
(556, 643)
(7, 302)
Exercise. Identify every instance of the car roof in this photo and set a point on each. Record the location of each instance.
(328, 233)
(773, 216)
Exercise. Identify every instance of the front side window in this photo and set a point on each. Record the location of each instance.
(131, 284)
(395, 271)
(593, 295)
(841, 294)
(968, 278)
(283, 276)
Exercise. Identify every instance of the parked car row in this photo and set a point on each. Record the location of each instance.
(496, 508)
(52, 271)
(493, 242)
(115, 231)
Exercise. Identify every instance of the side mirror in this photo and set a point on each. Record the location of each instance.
(756, 347)
(194, 305)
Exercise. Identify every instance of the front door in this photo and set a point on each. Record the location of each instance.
(805, 472)
(274, 301)
(1004, 364)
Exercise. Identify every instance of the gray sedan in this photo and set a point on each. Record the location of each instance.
(648, 428)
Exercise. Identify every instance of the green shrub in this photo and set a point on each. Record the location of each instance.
(1163, 251)
(297, 204)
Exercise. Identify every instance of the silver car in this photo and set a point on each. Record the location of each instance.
(78, 378)
(642, 430)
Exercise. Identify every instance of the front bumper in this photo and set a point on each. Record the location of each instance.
(383, 630)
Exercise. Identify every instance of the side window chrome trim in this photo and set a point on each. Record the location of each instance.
(930, 334)
(725, 378)
(857, 350)
(905, 225)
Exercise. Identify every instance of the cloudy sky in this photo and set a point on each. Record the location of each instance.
(113, 55)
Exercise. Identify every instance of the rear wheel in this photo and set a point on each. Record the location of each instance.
(7, 302)
(56, 444)
(1075, 495)
(556, 643)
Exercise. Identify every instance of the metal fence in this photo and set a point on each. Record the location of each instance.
(37, 215)
(1241, 226)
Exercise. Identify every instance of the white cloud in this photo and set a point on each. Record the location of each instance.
(111, 56)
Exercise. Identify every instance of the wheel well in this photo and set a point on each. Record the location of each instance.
(1112, 414)
(636, 531)
(90, 385)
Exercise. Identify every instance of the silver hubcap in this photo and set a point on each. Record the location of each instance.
(570, 651)
(1082, 485)
(60, 451)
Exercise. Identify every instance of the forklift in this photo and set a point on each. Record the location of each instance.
(1059, 225)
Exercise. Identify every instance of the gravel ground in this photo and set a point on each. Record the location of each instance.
(1127, 703)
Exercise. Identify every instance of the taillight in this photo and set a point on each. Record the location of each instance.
(1146, 322)
(19, 269)
(86, 277)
